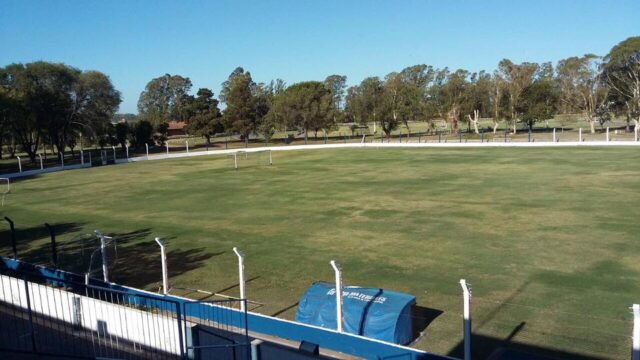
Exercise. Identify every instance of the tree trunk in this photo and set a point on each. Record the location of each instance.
(592, 124)
(475, 120)
(495, 126)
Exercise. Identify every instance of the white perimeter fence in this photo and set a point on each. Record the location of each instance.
(375, 145)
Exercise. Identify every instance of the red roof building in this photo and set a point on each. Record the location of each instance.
(176, 128)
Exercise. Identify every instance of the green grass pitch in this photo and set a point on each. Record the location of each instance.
(548, 238)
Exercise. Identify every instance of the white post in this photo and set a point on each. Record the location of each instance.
(90, 162)
(235, 159)
(554, 134)
(41, 163)
(635, 137)
(466, 292)
(580, 135)
(607, 133)
(62, 159)
(243, 295)
(338, 272)
(147, 147)
(187, 143)
(127, 148)
(271, 159)
(114, 154)
(103, 251)
(163, 257)
(167, 147)
(635, 350)
(19, 163)
(81, 157)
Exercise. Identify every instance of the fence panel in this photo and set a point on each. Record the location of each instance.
(44, 317)
(218, 329)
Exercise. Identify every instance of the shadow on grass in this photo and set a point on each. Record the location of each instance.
(25, 237)
(139, 264)
(133, 258)
(491, 348)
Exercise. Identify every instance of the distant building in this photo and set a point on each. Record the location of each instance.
(176, 128)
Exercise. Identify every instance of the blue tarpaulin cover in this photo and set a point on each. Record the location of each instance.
(371, 312)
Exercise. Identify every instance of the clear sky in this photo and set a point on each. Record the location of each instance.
(135, 41)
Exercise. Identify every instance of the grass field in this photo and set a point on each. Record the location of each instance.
(548, 238)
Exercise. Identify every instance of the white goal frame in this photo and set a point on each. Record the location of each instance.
(7, 190)
(246, 153)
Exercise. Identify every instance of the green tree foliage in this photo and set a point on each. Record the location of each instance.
(122, 131)
(621, 71)
(538, 102)
(142, 133)
(516, 78)
(305, 106)
(205, 117)
(54, 103)
(238, 95)
(582, 88)
(164, 99)
(364, 101)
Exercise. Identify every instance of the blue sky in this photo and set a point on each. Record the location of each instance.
(135, 41)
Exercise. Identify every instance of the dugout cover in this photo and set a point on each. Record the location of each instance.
(375, 313)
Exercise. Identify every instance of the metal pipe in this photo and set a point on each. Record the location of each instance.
(163, 257)
(466, 293)
(338, 272)
(243, 296)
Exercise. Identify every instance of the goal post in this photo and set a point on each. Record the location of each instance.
(5, 188)
(242, 158)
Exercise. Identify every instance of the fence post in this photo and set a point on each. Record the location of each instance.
(81, 157)
(114, 154)
(13, 237)
(41, 163)
(19, 164)
(103, 251)
(579, 134)
(243, 295)
(466, 293)
(31, 328)
(187, 144)
(165, 276)
(62, 159)
(127, 150)
(338, 272)
(270, 158)
(255, 349)
(235, 160)
(481, 136)
(635, 352)
(607, 133)
(554, 134)
(635, 136)
(54, 250)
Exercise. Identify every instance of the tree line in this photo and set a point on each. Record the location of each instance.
(57, 105)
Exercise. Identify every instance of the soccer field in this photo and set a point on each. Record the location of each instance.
(548, 238)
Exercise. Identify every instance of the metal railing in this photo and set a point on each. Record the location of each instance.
(48, 317)
(219, 329)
